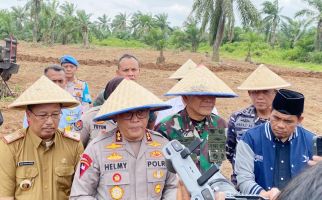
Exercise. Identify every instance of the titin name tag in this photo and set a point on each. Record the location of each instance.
(25, 163)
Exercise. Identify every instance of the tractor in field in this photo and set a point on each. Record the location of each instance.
(8, 65)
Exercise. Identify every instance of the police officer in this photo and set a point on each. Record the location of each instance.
(261, 86)
(38, 162)
(126, 163)
(90, 129)
(76, 87)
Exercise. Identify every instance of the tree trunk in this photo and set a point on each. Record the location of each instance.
(219, 37)
(85, 39)
(231, 26)
(318, 39)
(273, 34)
(161, 58)
(36, 20)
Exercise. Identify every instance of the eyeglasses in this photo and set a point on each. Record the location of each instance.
(140, 114)
(44, 117)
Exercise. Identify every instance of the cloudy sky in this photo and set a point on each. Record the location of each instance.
(177, 10)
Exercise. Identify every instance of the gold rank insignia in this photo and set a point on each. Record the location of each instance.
(99, 122)
(148, 137)
(117, 177)
(158, 174)
(113, 146)
(116, 192)
(154, 144)
(114, 156)
(157, 188)
(118, 136)
(156, 154)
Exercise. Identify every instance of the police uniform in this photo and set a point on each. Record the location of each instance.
(79, 90)
(109, 169)
(32, 170)
(89, 129)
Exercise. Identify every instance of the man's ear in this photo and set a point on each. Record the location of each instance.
(301, 119)
(185, 99)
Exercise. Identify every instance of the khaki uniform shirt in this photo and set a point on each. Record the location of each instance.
(110, 170)
(30, 171)
(91, 129)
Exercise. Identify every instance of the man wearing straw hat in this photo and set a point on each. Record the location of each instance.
(199, 90)
(261, 86)
(176, 102)
(126, 163)
(69, 119)
(269, 155)
(38, 162)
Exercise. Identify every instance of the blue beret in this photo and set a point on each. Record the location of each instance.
(68, 59)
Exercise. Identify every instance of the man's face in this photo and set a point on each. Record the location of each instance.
(262, 99)
(283, 125)
(133, 124)
(70, 70)
(200, 106)
(58, 77)
(40, 123)
(128, 68)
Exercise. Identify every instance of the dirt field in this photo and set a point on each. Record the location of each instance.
(98, 66)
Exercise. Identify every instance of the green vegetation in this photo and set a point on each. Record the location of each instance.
(265, 35)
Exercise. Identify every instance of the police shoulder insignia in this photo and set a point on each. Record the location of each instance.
(13, 136)
(116, 192)
(85, 163)
(72, 135)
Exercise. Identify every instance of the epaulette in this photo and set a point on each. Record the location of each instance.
(156, 133)
(72, 135)
(13, 136)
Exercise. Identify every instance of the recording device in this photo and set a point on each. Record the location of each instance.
(1, 119)
(317, 145)
(200, 186)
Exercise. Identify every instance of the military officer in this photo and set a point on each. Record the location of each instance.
(261, 86)
(126, 163)
(38, 162)
(76, 87)
(199, 90)
(90, 129)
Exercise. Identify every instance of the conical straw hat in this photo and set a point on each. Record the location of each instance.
(263, 79)
(41, 92)
(183, 70)
(201, 81)
(129, 96)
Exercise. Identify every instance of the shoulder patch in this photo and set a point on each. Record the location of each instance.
(13, 136)
(72, 135)
(156, 133)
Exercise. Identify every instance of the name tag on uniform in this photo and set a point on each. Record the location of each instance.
(25, 163)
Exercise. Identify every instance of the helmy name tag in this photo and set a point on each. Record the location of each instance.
(25, 163)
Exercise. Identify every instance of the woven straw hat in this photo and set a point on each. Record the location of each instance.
(129, 96)
(263, 79)
(201, 81)
(183, 70)
(41, 92)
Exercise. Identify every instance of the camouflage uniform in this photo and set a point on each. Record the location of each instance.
(185, 130)
(238, 124)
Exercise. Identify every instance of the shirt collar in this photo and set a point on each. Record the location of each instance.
(35, 139)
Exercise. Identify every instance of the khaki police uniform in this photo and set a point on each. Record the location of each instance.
(91, 129)
(30, 170)
(109, 169)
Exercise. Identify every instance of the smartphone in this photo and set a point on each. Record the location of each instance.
(317, 145)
